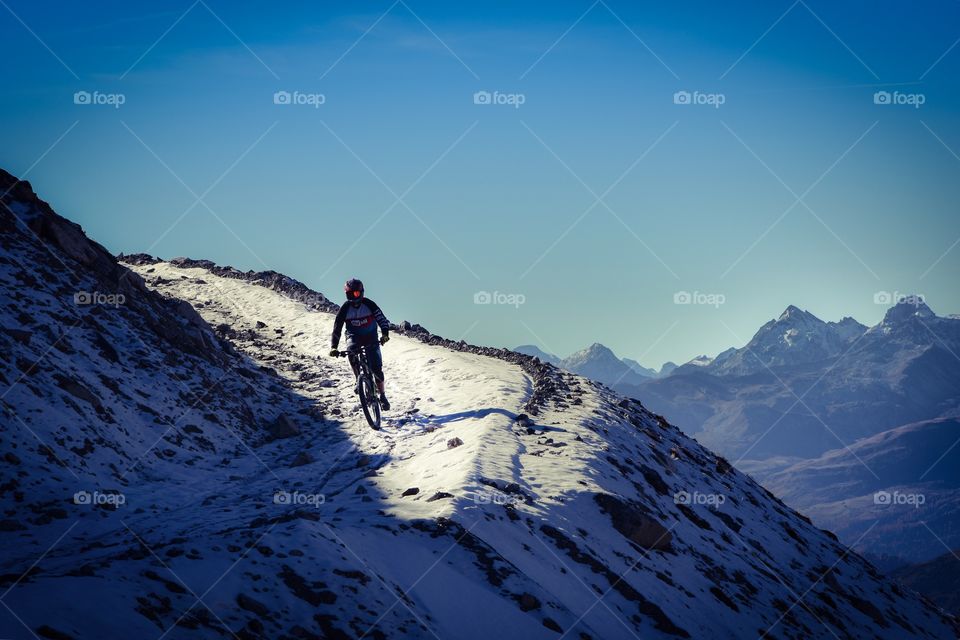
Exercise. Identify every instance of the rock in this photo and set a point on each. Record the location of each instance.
(439, 495)
(412, 491)
(723, 467)
(20, 335)
(261, 325)
(282, 427)
(302, 458)
(46, 631)
(254, 606)
(453, 443)
(77, 390)
(529, 602)
(551, 624)
(633, 523)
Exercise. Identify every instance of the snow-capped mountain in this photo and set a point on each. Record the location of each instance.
(192, 474)
(599, 363)
(822, 391)
(813, 385)
(795, 338)
(596, 362)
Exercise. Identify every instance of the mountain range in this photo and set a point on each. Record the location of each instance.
(598, 363)
(180, 461)
(854, 426)
(828, 414)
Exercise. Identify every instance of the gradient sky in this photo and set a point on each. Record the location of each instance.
(498, 198)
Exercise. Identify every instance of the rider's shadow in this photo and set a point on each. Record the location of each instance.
(482, 413)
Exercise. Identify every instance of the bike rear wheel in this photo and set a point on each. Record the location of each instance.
(369, 401)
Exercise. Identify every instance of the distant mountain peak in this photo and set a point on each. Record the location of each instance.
(908, 307)
(794, 314)
(537, 352)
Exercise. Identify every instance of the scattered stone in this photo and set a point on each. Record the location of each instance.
(453, 443)
(46, 631)
(439, 495)
(529, 602)
(412, 491)
(723, 466)
(282, 427)
(20, 335)
(254, 606)
(633, 523)
(302, 458)
(549, 623)
(77, 390)
(261, 325)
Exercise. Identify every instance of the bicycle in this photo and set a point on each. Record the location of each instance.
(366, 386)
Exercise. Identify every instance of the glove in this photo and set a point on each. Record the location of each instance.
(334, 353)
(384, 338)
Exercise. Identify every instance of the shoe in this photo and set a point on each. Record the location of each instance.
(384, 403)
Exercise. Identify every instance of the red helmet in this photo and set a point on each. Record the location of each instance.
(353, 289)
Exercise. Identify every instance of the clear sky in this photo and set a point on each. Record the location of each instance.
(583, 189)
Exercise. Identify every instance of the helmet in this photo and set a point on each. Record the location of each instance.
(353, 289)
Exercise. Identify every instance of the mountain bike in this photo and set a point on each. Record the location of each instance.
(366, 386)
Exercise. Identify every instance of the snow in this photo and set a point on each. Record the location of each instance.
(201, 548)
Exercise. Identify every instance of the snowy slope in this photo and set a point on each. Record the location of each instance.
(256, 503)
(587, 448)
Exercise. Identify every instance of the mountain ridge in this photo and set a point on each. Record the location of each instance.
(496, 498)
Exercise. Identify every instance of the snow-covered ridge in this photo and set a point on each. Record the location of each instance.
(543, 374)
(258, 504)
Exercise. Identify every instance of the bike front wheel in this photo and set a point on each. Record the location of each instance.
(370, 402)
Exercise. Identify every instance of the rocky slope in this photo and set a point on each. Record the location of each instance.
(191, 474)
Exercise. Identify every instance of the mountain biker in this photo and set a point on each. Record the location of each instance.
(361, 316)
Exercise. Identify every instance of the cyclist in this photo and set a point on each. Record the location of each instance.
(362, 316)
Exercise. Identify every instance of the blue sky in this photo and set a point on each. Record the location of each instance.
(595, 201)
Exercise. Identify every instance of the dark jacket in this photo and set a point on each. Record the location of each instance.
(361, 320)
